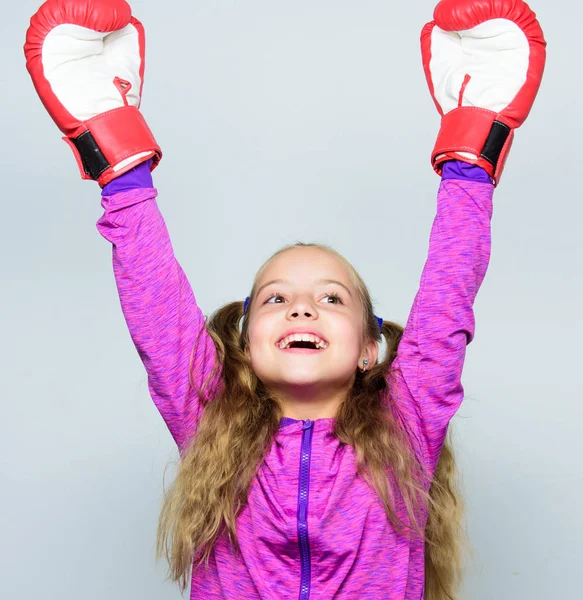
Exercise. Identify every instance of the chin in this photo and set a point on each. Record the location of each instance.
(300, 380)
(309, 377)
(299, 377)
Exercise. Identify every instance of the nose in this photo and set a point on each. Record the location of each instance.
(301, 307)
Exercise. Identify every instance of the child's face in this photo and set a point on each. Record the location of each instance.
(304, 298)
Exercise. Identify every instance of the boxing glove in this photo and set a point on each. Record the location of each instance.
(483, 61)
(86, 60)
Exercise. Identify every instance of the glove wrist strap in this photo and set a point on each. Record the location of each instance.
(114, 142)
(473, 135)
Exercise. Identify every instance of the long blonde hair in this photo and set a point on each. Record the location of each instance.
(236, 432)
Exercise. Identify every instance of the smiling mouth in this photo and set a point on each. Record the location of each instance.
(302, 341)
(304, 345)
(303, 348)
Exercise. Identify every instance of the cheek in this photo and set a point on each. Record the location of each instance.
(260, 353)
(259, 334)
(348, 332)
(354, 347)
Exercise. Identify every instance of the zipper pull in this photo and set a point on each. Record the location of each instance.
(307, 424)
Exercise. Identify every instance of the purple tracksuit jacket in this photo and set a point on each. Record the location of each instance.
(312, 528)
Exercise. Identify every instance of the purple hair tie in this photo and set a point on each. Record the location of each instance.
(248, 299)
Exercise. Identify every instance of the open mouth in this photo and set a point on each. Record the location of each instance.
(302, 341)
(307, 345)
(302, 348)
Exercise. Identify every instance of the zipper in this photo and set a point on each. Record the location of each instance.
(303, 489)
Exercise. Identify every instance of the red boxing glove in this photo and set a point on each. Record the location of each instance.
(484, 61)
(86, 60)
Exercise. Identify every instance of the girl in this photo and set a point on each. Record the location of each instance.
(310, 468)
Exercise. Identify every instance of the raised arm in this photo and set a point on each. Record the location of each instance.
(86, 60)
(484, 63)
(166, 325)
(441, 324)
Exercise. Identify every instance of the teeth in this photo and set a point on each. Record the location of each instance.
(302, 337)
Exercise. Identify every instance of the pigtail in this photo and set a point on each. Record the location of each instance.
(446, 541)
(235, 432)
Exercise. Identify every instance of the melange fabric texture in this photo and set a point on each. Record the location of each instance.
(312, 528)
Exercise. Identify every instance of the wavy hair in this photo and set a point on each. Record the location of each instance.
(237, 429)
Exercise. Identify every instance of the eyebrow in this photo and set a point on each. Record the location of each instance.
(318, 282)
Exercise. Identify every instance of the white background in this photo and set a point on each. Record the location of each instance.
(282, 121)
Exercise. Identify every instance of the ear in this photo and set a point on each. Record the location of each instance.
(371, 351)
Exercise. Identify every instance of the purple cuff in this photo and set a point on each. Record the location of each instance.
(136, 178)
(457, 169)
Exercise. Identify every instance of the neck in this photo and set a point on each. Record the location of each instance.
(309, 402)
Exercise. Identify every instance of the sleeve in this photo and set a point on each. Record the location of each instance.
(164, 321)
(427, 388)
